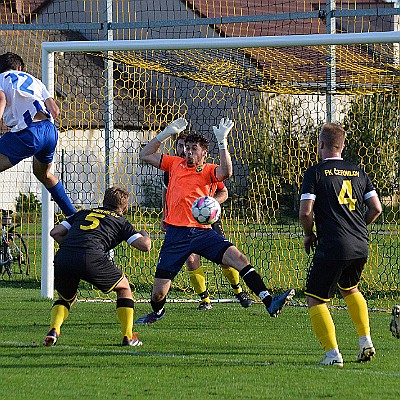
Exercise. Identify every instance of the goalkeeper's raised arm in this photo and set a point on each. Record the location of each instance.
(150, 153)
(224, 170)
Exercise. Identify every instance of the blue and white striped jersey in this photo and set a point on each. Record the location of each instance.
(25, 97)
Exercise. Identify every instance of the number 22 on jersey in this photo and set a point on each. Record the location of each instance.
(346, 195)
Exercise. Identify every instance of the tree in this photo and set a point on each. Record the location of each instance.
(285, 148)
(372, 126)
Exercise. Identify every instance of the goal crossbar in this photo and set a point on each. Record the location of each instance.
(228, 43)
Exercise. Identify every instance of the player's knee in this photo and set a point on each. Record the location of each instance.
(157, 297)
(243, 261)
(123, 285)
(193, 262)
(234, 258)
(313, 301)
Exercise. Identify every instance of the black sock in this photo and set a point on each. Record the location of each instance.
(253, 279)
(124, 302)
(158, 307)
(204, 295)
(255, 283)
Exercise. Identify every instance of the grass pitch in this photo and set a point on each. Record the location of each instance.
(225, 353)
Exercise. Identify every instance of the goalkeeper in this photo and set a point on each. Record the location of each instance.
(193, 265)
(189, 179)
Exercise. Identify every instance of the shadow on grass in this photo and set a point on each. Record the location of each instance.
(20, 284)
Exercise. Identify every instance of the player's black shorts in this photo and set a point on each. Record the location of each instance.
(97, 269)
(324, 276)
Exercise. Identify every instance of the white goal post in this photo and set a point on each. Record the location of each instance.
(49, 48)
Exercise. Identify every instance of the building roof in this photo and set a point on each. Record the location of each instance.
(20, 11)
(300, 66)
(207, 9)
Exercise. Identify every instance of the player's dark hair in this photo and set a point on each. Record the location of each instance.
(10, 61)
(116, 198)
(333, 136)
(199, 139)
(182, 135)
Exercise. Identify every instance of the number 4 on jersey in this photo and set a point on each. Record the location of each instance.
(346, 195)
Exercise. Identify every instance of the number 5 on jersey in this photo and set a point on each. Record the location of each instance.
(346, 195)
(94, 219)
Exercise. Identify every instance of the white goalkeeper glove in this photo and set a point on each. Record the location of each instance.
(221, 132)
(173, 128)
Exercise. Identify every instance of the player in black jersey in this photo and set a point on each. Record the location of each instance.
(193, 264)
(85, 240)
(334, 194)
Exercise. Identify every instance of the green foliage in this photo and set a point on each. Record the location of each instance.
(284, 147)
(372, 124)
(28, 203)
(391, 213)
(152, 192)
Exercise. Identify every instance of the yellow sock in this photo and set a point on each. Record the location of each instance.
(125, 316)
(233, 277)
(358, 310)
(323, 326)
(58, 315)
(198, 280)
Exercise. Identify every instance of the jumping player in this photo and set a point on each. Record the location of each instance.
(28, 109)
(193, 264)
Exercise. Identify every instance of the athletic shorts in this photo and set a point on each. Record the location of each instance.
(97, 269)
(180, 242)
(39, 140)
(324, 276)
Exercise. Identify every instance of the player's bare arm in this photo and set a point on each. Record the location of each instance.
(374, 209)
(142, 243)
(150, 154)
(52, 107)
(224, 169)
(58, 233)
(221, 195)
(306, 217)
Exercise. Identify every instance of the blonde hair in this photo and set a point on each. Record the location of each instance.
(333, 136)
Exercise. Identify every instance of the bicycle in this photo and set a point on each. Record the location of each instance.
(14, 257)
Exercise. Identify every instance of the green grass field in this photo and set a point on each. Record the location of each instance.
(225, 353)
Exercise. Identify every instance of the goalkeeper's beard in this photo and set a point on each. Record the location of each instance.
(190, 161)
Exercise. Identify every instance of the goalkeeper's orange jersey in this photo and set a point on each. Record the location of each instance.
(185, 185)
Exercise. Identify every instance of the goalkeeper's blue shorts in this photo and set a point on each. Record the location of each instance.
(181, 241)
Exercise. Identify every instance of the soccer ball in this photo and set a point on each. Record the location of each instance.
(206, 210)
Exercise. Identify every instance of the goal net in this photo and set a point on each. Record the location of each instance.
(115, 96)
